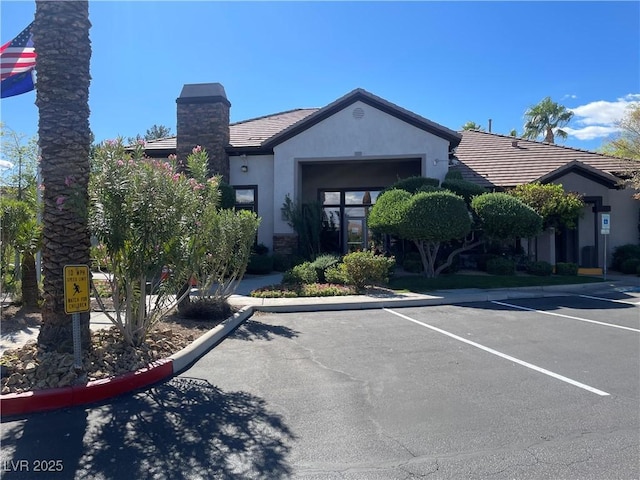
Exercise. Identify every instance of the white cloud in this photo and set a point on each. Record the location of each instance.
(591, 132)
(599, 119)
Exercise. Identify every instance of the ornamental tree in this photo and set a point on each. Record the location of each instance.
(557, 207)
(430, 219)
(138, 212)
(503, 216)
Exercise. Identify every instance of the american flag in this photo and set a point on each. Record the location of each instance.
(18, 55)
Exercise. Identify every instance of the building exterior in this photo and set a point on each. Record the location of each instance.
(345, 153)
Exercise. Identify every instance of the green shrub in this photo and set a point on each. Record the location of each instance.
(622, 253)
(504, 216)
(322, 262)
(337, 274)
(260, 264)
(281, 262)
(300, 274)
(260, 249)
(566, 269)
(466, 190)
(453, 175)
(310, 290)
(412, 263)
(325, 290)
(482, 259)
(413, 184)
(630, 265)
(540, 268)
(501, 266)
(365, 268)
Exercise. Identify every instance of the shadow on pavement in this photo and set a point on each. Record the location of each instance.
(252, 330)
(183, 428)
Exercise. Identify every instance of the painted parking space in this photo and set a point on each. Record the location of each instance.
(372, 393)
(601, 354)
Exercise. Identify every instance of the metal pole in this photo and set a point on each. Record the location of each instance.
(77, 354)
(605, 257)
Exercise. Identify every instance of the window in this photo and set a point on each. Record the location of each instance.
(246, 198)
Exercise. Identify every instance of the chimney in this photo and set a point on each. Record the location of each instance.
(203, 119)
(489, 125)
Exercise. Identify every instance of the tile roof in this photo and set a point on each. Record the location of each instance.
(248, 133)
(492, 160)
(253, 132)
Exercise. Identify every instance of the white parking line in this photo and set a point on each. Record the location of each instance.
(503, 355)
(610, 300)
(613, 325)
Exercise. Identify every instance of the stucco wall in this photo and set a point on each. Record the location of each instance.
(624, 214)
(260, 173)
(343, 136)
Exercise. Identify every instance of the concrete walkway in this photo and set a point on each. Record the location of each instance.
(356, 302)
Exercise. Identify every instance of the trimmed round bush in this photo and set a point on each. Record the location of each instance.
(300, 274)
(566, 269)
(413, 184)
(504, 216)
(501, 266)
(540, 268)
(466, 190)
(630, 265)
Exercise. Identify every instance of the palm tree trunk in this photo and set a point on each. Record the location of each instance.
(61, 39)
(29, 280)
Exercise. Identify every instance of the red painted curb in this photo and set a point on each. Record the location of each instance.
(95, 391)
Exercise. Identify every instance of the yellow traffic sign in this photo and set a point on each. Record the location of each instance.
(76, 289)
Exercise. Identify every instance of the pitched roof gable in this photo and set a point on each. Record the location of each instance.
(381, 104)
(501, 161)
(584, 170)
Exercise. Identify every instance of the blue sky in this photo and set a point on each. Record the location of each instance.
(450, 62)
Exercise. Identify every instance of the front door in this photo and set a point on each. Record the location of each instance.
(356, 233)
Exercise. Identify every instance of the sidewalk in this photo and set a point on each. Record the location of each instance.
(357, 302)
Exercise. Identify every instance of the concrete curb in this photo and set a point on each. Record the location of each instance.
(13, 404)
(188, 355)
(96, 391)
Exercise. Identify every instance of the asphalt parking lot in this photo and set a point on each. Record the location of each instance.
(520, 389)
(533, 388)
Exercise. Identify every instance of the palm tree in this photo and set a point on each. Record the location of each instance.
(472, 126)
(61, 40)
(546, 118)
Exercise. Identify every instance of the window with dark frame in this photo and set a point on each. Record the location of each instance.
(246, 197)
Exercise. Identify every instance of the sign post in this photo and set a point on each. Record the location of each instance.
(76, 301)
(605, 228)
